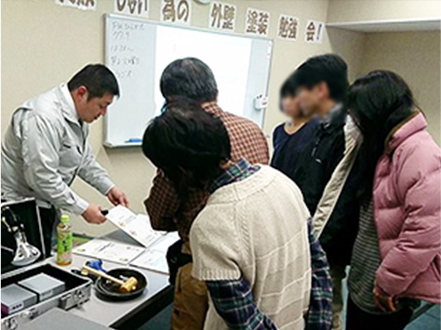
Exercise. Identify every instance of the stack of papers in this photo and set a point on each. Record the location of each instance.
(110, 251)
(155, 243)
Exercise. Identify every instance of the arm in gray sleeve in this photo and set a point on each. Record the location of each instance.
(93, 173)
(41, 143)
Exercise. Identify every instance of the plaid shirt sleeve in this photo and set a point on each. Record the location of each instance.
(162, 204)
(319, 316)
(167, 211)
(234, 302)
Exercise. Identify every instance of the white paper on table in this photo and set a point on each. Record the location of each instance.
(109, 251)
(152, 260)
(162, 245)
(154, 257)
(136, 226)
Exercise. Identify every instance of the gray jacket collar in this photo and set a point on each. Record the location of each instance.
(67, 104)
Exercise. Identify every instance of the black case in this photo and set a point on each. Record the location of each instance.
(27, 213)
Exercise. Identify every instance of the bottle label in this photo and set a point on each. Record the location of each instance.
(64, 251)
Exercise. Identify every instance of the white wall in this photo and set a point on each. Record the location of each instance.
(377, 10)
(416, 57)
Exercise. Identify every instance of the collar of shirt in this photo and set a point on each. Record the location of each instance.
(69, 110)
(236, 172)
(333, 113)
(213, 108)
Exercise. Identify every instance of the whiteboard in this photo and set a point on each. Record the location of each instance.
(137, 51)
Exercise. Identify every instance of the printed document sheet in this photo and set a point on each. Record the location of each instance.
(136, 226)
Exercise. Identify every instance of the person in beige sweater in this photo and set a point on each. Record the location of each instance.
(250, 242)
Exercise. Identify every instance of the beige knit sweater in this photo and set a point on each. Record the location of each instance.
(257, 229)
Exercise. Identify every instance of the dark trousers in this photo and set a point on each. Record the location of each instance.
(357, 319)
(49, 220)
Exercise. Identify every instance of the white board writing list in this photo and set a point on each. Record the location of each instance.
(129, 45)
(139, 50)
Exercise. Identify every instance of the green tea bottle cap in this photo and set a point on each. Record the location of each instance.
(65, 218)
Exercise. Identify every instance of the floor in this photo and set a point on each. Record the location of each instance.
(428, 321)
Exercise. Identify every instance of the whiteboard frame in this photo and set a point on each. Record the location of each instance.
(145, 20)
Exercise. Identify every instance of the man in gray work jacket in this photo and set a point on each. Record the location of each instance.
(46, 147)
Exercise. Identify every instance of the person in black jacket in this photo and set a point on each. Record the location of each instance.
(322, 86)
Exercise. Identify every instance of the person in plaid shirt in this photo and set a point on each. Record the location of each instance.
(258, 272)
(191, 78)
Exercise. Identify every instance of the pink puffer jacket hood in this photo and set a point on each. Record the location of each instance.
(407, 205)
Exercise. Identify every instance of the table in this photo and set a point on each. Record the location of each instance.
(127, 314)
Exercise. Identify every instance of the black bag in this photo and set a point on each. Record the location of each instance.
(176, 259)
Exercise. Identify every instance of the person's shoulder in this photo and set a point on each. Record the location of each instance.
(235, 120)
(336, 135)
(212, 217)
(280, 179)
(272, 178)
(310, 128)
(279, 128)
(313, 123)
(45, 106)
(420, 149)
(282, 186)
(418, 158)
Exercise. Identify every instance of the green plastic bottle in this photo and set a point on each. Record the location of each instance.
(64, 234)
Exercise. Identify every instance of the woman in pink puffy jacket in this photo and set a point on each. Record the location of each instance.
(396, 256)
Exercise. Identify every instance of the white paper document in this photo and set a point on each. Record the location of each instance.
(151, 260)
(154, 257)
(164, 243)
(136, 226)
(109, 251)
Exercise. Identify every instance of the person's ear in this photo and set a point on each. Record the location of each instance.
(82, 92)
(322, 91)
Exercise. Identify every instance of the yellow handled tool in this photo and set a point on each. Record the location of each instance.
(125, 286)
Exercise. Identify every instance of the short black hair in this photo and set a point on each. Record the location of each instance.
(189, 77)
(328, 68)
(98, 80)
(289, 88)
(187, 142)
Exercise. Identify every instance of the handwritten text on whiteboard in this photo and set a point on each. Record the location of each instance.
(123, 58)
